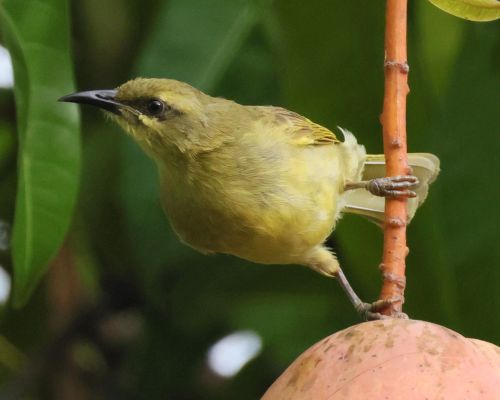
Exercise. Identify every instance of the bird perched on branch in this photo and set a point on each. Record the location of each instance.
(259, 182)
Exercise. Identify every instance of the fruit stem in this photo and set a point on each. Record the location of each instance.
(393, 120)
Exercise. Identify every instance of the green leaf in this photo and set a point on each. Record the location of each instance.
(474, 10)
(37, 34)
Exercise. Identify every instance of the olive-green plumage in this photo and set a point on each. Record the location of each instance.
(261, 183)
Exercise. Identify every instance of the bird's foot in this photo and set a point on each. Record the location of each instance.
(371, 312)
(393, 186)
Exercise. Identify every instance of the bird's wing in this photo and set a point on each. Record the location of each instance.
(301, 130)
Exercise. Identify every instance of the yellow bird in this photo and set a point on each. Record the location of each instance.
(258, 182)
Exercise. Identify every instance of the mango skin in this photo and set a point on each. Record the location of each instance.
(392, 359)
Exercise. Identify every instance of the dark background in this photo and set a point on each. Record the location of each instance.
(127, 312)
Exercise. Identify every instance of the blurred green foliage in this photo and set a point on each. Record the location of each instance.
(126, 310)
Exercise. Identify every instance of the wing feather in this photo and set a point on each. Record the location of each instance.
(301, 130)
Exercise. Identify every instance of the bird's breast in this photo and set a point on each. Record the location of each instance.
(266, 206)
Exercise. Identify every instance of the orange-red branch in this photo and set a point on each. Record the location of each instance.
(394, 130)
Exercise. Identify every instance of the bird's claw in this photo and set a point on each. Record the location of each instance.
(393, 186)
(371, 312)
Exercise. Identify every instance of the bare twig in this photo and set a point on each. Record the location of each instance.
(394, 130)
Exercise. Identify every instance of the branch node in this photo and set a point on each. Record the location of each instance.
(403, 67)
(399, 281)
(396, 222)
(397, 299)
(396, 143)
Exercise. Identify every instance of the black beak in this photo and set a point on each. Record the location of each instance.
(104, 99)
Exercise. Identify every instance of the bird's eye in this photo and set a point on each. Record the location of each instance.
(155, 107)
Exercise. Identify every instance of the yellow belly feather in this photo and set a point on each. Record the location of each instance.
(273, 214)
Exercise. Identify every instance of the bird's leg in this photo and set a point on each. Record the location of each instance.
(368, 311)
(325, 262)
(392, 186)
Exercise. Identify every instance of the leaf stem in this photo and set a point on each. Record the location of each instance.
(394, 133)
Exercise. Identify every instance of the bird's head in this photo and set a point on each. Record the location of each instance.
(160, 114)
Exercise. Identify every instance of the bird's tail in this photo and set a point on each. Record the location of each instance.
(425, 167)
